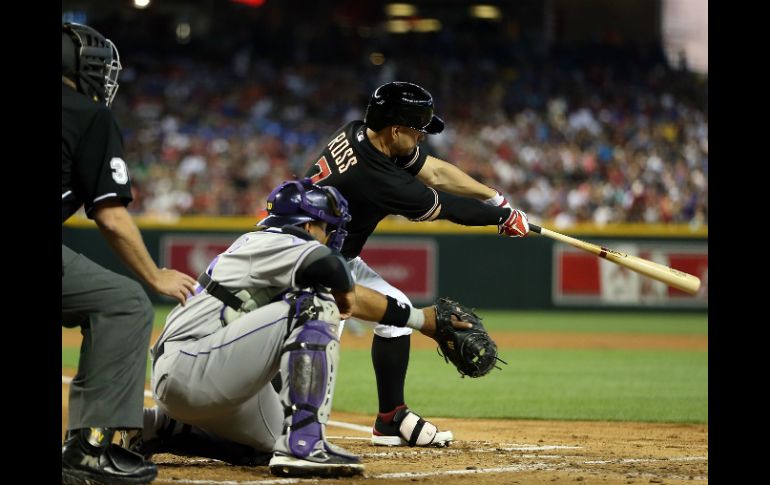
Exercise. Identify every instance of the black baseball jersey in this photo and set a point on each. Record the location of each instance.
(374, 184)
(92, 165)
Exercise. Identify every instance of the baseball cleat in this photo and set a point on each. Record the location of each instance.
(408, 429)
(316, 465)
(83, 463)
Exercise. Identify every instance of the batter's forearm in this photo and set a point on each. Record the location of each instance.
(469, 212)
(446, 177)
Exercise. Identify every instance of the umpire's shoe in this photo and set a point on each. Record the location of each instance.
(402, 427)
(88, 457)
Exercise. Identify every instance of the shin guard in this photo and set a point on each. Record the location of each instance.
(308, 368)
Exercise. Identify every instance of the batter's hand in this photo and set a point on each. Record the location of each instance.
(346, 300)
(516, 225)
(171, 282)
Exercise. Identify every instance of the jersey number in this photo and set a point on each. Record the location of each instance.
(119, 170)
(323, 170)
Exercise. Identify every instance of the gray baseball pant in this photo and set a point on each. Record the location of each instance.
(115, 318)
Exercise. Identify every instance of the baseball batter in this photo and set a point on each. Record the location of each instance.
(379, 167)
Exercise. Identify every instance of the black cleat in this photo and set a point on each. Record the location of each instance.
(89, 458)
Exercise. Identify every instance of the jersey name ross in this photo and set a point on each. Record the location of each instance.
(342, 152)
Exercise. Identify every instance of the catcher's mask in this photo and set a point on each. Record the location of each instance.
(299, 201)
(402, 103)
(91, 60)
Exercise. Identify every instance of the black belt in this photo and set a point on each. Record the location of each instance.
(219, 292)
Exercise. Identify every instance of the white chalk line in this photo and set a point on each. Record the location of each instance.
(354, 427)
(645, 460)
(450, 451)
(511, 447)
(503, 469)
(232, 482)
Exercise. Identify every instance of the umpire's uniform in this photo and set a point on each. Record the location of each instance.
(113, 311)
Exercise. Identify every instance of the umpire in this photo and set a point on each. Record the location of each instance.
(113, 312)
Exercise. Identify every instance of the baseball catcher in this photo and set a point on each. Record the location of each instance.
(471, 350)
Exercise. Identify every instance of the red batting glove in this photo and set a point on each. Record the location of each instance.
(516, 225)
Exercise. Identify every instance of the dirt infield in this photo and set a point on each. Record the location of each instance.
(496, 451)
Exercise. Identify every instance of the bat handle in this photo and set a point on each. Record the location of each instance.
(534, 228)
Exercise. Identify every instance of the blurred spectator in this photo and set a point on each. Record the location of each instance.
(566, 136)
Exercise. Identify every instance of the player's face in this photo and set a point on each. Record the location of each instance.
(405, 140)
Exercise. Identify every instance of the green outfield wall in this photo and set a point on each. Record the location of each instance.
(473, 265)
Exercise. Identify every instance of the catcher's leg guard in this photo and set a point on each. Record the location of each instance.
(308, 368)
(406, 428)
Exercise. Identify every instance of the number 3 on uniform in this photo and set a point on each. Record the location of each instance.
(323, 170)
(119, 170)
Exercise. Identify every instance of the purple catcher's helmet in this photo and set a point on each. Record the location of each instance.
(299, 201)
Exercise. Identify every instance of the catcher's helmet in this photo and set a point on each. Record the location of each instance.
(91, 60)
(402, 103)
(299, 201)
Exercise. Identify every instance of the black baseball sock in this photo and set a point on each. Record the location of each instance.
(390, 358)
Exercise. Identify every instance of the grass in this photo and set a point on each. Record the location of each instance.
(613, 385)
(586, 384)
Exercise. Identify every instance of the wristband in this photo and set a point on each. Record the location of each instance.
(399, 314)
(396, 313)
(416, 318)
(497, 200)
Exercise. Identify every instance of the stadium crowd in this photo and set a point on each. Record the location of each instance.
(593, 134)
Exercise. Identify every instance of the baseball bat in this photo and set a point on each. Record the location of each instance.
(670, 276)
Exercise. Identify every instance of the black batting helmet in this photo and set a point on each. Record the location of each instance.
(91, 60)
(402, 103)
(299, 201)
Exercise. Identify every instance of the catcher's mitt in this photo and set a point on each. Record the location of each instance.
(471, 350)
